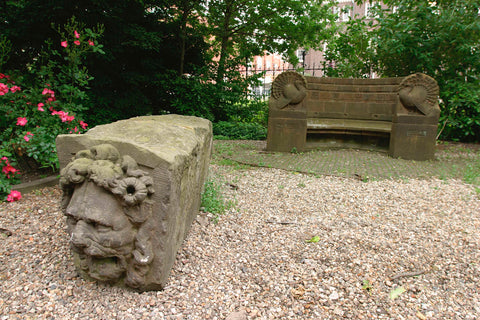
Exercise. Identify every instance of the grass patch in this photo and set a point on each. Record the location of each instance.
(213, 200)
(472, 172)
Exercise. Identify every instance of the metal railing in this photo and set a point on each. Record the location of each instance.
(268, 75)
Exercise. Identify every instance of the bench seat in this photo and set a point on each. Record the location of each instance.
(347, 125)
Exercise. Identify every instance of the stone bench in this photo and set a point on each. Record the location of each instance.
(395, 114)
(131, 190)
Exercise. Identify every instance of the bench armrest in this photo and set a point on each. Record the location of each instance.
(418, 93)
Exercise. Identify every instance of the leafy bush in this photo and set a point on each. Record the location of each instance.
(192, 95)
(196, 94)
(8, 177)
(247, 121)
(36, 108)
(250, 111)
(460, 119)
(32, 120)
(239, 131)
(438, 38)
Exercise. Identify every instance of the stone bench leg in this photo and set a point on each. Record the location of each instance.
(287, 134)
(413, 141)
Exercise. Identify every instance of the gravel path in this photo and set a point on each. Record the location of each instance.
(370, 241)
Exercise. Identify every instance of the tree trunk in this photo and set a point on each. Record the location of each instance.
(220, 113)
(183, 38)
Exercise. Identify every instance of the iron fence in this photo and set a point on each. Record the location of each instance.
(268, 75)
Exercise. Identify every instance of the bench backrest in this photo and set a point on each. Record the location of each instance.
(363, 99)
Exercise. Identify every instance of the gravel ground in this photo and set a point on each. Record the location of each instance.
(375, 240)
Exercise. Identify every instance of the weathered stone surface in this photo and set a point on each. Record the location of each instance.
(289, 89)
(403, 112)
(131, 192)
(419, 94)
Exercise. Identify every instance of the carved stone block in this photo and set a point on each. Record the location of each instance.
(131, 190)
(413, 141)
(398, 114)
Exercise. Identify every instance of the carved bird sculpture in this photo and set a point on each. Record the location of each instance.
(421, 92)
(289, 88)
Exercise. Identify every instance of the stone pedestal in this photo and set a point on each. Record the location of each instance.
(131, 190)
(287, 134)
(413, 137)
(287, 116)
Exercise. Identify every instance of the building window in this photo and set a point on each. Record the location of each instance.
(300, 55)
(369, 6)
(346, 13)
(336, 12)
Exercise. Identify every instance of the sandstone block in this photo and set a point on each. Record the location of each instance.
(131, 190)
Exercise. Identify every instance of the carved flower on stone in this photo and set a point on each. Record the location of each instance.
(132, 190)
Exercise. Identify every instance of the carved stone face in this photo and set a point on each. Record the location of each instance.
(102, 236)
(107, 202)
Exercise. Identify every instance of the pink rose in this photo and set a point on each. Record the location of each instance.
(14, 196)
(40, 106)
(76, 42)
(28, 136)
(64, 44)
(21, 121)
(76, 34)
(3, 89)
(47, 91)
(9, 169)
(15, 88)
(91, 43)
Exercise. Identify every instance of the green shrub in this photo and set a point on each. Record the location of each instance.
(36, 107)
(224, 130)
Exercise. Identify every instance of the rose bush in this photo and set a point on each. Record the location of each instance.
(8, 176)
(35, 108)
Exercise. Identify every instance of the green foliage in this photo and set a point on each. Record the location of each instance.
(213, 200)
(314, 239)
(349, 54)
(48, 101)
(163, 56)
(247, 121)
(8, 174)
(239, 131)
(191, 95)
(367, 286)
(31, 120)
(141, 41)
(440, 39)
(243, 29)
(249, 110)
(460, 118)
(5, 47)
(197, 95)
